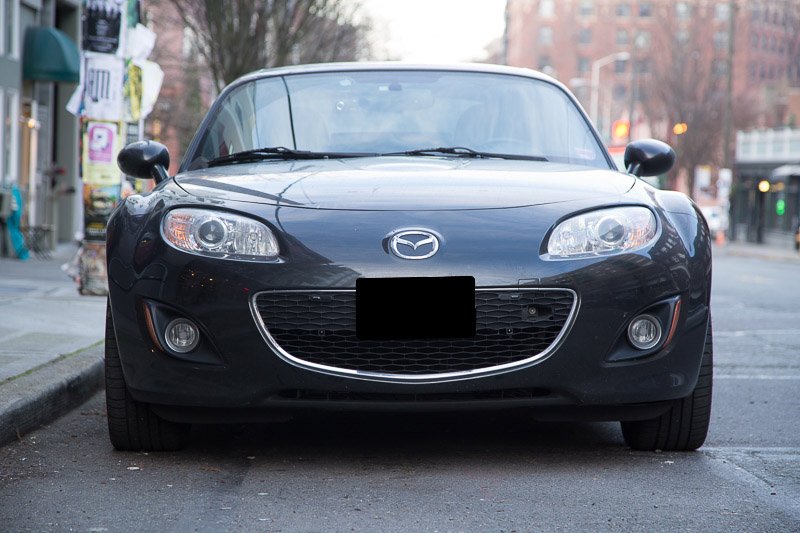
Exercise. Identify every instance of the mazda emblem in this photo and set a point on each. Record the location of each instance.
(414, 244)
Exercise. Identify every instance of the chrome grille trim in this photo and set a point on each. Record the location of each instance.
(413, 378)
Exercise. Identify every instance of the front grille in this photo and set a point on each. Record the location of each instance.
(320, 328)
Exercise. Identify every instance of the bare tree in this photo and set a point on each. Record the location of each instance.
(686, 85)
(340, 35)
(234, 37)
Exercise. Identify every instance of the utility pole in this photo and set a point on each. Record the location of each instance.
(633, 97)
(727, 155)
(723, 185)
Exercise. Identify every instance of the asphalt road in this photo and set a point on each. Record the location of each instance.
(445, 473)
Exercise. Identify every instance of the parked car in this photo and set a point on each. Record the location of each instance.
(397, 237)
(716, 218)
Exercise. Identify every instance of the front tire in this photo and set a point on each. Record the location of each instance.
(685, 425)
(132, 425)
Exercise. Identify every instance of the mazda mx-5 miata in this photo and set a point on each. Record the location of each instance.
(398, 237)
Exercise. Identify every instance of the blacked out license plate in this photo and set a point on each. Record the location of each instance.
(415, 308)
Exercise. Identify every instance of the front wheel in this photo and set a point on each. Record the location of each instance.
(685, 425)
(132, 425)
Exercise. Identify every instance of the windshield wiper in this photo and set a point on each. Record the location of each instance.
(465, 152)
(279, 152)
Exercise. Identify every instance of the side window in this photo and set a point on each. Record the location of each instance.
(255, 115)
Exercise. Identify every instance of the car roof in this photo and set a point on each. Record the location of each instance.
(486, 68)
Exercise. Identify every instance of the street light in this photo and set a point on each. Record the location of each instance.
(596, 66)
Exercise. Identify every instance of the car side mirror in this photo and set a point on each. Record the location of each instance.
(145, 160)
(648, 157)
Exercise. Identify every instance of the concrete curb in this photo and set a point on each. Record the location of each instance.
(33, 399)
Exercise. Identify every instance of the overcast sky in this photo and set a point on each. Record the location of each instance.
(436, 31)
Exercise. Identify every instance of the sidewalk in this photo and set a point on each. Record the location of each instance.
(45, 330)
(757, 251)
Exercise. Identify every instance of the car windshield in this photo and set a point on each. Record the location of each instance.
(391, 111)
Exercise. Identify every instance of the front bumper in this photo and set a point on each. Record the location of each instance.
(235, 368)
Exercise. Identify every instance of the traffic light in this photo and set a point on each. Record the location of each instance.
(780, 207)
(763, 186)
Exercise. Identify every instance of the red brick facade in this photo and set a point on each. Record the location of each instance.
(564, 38)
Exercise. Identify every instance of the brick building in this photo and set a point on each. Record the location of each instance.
(566, 37)
(187, 90)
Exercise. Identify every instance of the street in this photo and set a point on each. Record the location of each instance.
(477, 472)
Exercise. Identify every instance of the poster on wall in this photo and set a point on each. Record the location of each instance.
(105, 26)
(142, 85)
(102, 98)
(92, 277)
(101, 177)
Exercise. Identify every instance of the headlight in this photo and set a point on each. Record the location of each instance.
(603, 232)
(219, 234)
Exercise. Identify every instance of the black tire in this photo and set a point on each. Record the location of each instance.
(132, 425)
(685, 425)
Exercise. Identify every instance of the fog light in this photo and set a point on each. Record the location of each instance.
(644, 332)
(182, 335)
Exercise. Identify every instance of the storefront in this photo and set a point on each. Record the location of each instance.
(765, 202)
(39, 68)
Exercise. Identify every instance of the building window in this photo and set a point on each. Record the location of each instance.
(623, 9)
(9, 118)
(720, 67)
(586, 8)
(722, 11)
(683, 36)
(683, 10)
(544, 61)
(620, 66)
(620, 92)
(585, 35)
(642, 66)
(720, 40)
(583, 65)
(622, 37)
(547, 8)
(545, 35)
(9, 22)
(645, 9)
(642, 39)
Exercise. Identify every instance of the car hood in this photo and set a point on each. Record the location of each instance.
(404, 183)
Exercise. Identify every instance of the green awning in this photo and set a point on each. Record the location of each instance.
(49, 55)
